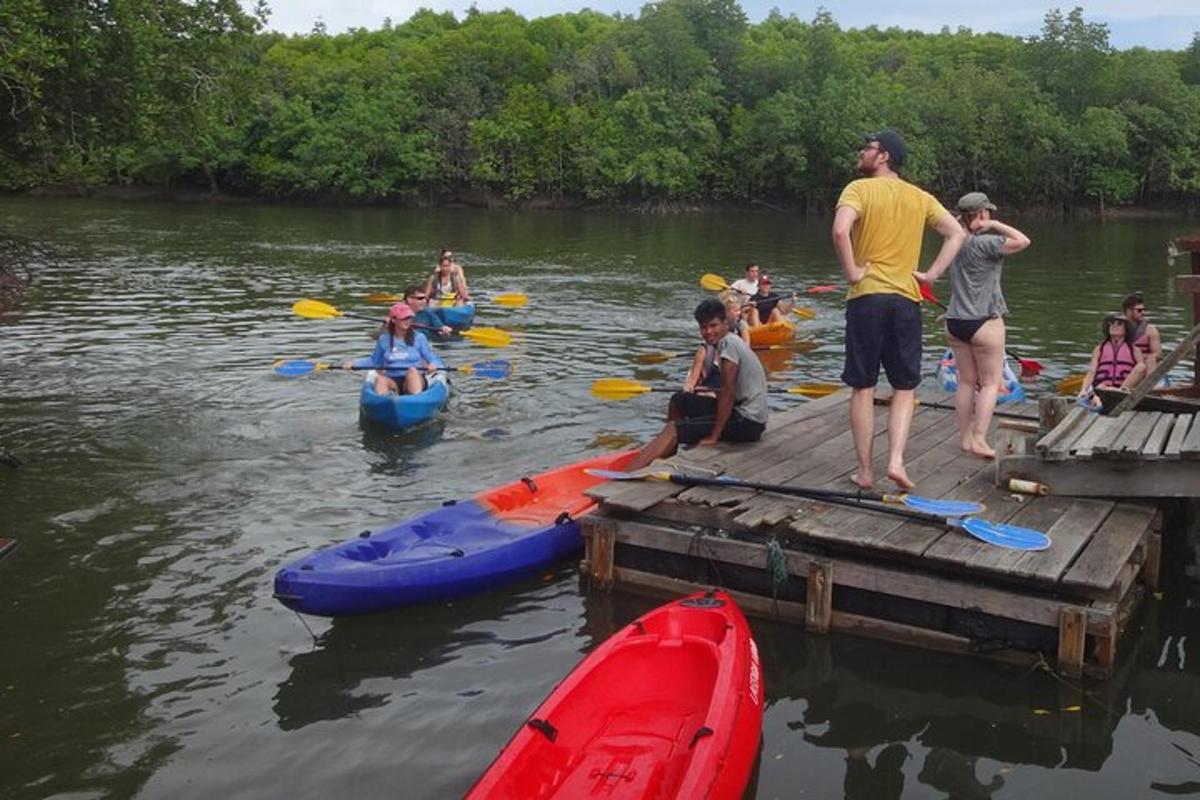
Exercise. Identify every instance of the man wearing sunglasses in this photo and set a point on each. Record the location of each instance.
(1145, 334)
(877, 231)
(424, 318)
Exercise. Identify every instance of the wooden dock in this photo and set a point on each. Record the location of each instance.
(841, 568)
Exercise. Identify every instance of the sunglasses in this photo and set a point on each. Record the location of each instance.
(419, 297)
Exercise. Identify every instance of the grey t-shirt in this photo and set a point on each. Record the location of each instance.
(975, 279)
(750, 392)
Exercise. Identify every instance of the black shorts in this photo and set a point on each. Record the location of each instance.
(698, 414)
(883, 329)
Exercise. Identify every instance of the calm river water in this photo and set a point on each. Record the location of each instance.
(167, 473)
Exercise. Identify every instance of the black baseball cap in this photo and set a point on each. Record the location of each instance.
(892, 142)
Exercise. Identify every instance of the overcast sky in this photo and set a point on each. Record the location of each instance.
(1150, 23)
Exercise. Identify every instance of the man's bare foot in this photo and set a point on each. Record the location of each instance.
(899, 477)
(862, 482)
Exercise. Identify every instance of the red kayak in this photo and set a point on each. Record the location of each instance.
(671, 706)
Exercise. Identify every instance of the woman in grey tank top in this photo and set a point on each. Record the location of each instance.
(975, 318)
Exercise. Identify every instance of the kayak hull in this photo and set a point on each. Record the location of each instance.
(771, 333)
(1011, 389)
(459, 549)
(669, 706)
(401, 411)
(457, 316)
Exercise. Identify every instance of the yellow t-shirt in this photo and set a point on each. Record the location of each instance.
(892, 215)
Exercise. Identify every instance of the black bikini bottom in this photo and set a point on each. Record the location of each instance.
(965, 329)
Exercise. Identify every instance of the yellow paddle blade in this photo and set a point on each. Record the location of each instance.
(712, 282)
(814, 390)
(1071, 384)
(653, 358)
(804, 313)
(488, 337)
(315, 309)
(510, 299)
(383, 297)
(617, 388)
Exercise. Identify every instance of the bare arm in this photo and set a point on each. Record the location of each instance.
(693, 376)
(1155, 341)
(729, 373)
(1014, 240)
(1091, 372)
(463, 291)
(952, 239)
(843, 224)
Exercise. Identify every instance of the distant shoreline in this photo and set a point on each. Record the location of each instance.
(482, 200)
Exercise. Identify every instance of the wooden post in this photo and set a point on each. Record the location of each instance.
(818, 609)
(604, 540)
(1051, 411)
(1106, 647)
(1191, 244)
(1153, 554)
(1072, 634)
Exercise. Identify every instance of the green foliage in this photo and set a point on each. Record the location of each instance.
(686, 102)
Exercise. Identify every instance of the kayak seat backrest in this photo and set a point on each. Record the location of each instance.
(365, 550)
(677, 622)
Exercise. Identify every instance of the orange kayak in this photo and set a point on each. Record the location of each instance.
(771, 333)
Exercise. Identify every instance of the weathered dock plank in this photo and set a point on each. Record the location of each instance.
(1110, 548)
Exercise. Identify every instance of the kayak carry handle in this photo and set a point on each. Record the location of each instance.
(545, 728)
(703, 731)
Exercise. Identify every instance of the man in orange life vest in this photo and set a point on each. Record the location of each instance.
(1145, 335)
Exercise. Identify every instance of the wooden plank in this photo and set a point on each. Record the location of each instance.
(1106, 478)
(1100, 564)
(1082, 448)
(1064, 429)
(1153, 447)
(1062, 449)
(818, 608)
(1072, 635)
(839, 621)
(966, 592)
(1190, 448)
(603, 533)
(1178, 433)
(1105, 443)
(1068, 536)
(1187, 284)
(1188, 345)
(1129, 444)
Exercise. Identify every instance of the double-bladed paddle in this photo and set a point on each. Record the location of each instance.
(1013, 537)
(511, 299)
(294, 368)
(622, 389)
(715, 283)
(1029, 366)
(315, 309)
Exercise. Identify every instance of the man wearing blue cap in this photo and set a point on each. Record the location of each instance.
(877, 231)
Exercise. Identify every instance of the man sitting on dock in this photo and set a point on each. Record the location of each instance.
(739, 411)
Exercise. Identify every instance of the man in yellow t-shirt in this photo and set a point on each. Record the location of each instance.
(877, 234)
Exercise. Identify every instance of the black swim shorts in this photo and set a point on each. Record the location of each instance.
(698, 414)
(883, 329)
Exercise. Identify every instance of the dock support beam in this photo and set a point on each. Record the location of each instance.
(818, 609)
(1072, 635)
(600, 558)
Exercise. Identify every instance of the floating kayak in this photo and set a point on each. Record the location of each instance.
(1010, 387)
(461, 548)
(400, 411)
(771, 333)
(670, 706)
(457, 316)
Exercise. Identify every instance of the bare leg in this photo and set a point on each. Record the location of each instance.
(385, 385)
(661, 446)
(413, 384)
(777, 315)
(1135, 377)
(987, 348)
(964, 395)
(900, 417)
(862, 427)
(753, 318)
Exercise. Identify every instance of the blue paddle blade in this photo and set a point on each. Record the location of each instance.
(1012, 537)
(492, 369)
(943, 508)
(294, 369)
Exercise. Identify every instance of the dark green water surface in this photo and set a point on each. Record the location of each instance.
(167, 473)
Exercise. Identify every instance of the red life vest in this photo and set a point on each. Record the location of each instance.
(1114, 364)
(1141, 337)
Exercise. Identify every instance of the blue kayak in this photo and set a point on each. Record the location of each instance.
(400, 411)
(458, 549)
(457, 316)
(1010, 388)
